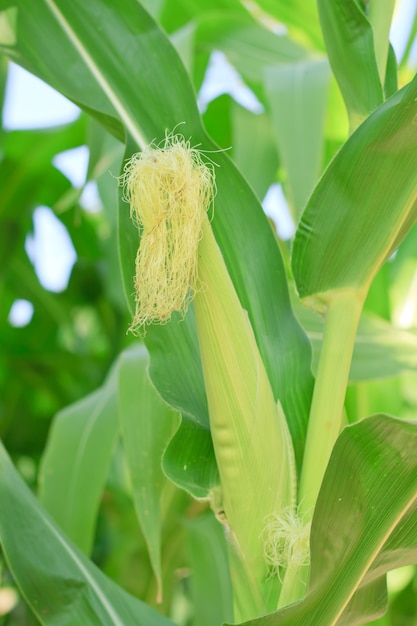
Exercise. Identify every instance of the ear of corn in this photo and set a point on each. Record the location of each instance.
(170, 190)
(251, 439)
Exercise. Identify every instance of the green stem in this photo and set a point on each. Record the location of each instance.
(329, 394)
(294, 585)
(326, 419)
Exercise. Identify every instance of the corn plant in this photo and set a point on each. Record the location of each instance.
(243, 425)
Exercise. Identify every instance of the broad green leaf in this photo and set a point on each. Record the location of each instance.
(300, 17)
(154, 7)
(210, 580)
(59, 583)
(377, 301)
(21, 272)
(146, 424)
(123, 68)
(249, 139)
(363, 205)
(217, 120)
(76, 462)
(3, 80)
(403, 600)
(373, 396)
(368, 603)
(381, 350)
(248, 46)
(297, 95)
(35, 148)
(364, 525)
(254, 149)
(178, 12)
(175, 368)
(350, 46)
(391, 78)
(105, 156)
(189, 459)
(405, 58)
(27, 176)
(19, 17)
(380, 16)
(336, 122)
(183, 41)
(403, 282)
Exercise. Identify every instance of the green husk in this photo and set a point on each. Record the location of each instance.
(251, 439)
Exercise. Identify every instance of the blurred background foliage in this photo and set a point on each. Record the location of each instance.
(281, 118)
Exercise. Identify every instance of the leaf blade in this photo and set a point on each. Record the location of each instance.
(76, 462)
(364, 524)
(146, 425)
(350, 46)
(373, 186)
(57, 580)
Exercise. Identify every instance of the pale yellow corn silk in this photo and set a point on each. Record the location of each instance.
(170, 189)
(286, 541)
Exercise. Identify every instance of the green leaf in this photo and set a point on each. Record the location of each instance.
(405, 58)
(102, 79)
(217, 120)
(380, 16)
(56, 579)
(249, 139)
(3, 81)
(381, 349)
(350, 46)
(248, 46)
(189, 459)
(300, 17)
(391, 79)
(27, 155)
(403, 282)
(154, 7)
(178, 12)
(254, 150)
(363, 205)
(211, 586)
(297, 95)
(147, 424)
(364, 525)
(175, 369)
(76, 462)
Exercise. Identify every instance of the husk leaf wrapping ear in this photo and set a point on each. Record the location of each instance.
(170, 190)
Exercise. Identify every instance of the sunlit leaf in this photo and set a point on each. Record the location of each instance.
(76, 462)
(363, 205)
(57, 580)
(297, 95)
(350, 46)
(364, 525)
(211, 585)
(147, 424)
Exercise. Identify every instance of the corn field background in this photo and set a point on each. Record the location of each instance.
(121, 502)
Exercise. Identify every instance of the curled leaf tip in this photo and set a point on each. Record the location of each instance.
(170, 189)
